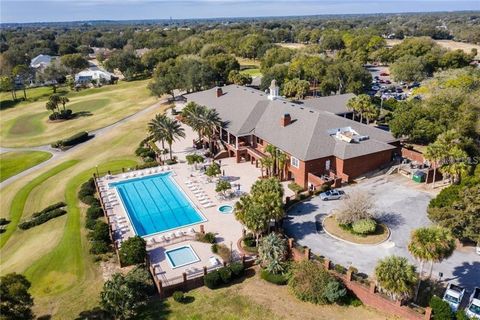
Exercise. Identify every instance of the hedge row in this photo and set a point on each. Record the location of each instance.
(224, 275)
(57, 205)
(44, 217)
(73, 140)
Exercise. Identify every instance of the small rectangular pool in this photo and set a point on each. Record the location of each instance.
(181, 256)
(156, 204)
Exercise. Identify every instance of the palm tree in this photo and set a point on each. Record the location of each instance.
(173, 130)
(396, 277)
(51, 106)
(209, 121)
(432, 244)
(156, 128)
(282, 160)
(267, 163)
(63, 100)
(272, 253)
(434, 153)
(273, 151)
(55, 99)
(192, 114)
(456, 166)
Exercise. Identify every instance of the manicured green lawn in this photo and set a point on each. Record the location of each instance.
(64, 266)
(12, 163)
(252, 72)
(27, 123)
(18, 203)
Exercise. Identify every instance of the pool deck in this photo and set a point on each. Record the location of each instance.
(227, 229)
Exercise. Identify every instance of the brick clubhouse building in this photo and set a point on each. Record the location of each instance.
(322, 143)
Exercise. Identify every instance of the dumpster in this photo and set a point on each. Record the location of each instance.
(419, 176)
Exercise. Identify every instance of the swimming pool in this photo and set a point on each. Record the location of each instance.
(181, 256)
(156, 204)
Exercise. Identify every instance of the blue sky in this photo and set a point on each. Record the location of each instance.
(72, 10)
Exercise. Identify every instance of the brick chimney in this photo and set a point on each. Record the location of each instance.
(285, 120)
(219, 92)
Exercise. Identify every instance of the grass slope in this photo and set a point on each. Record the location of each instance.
(18, 203)
(13, 163)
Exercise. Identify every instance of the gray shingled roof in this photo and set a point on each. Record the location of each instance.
(308, 137)
(336, 104)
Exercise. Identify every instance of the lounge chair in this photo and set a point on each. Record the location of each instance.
(213, 261)
(208, 205)
(179, 234)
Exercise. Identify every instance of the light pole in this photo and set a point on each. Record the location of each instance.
(96, 167)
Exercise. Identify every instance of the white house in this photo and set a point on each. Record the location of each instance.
(41, 61)
(99, 75)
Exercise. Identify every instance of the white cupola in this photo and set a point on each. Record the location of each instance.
(274, 92)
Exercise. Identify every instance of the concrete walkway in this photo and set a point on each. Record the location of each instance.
(57, 154)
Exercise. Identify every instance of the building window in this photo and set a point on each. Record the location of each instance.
(295, 162)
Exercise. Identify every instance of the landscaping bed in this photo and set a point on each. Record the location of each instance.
(332, 227)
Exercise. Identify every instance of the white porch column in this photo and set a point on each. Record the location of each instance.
(236, 142)
(228, 137)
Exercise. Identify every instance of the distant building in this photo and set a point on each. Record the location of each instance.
(42, 61)
(98, 75)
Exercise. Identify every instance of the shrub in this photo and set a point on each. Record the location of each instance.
(3, 221)
(364, 226)
(309, 281)
(143, 279)
(44, 217)
(250, 241)
(100, 232)
(99, 247)
(148, 159)
(140, 151)
(237, 269)
(49, 208)
(178, 296)
(94, 212)
(75, 139)
(147, 165)
(325, 187)
(212, 280)
(133, 251)
(91, 200)
(225, 274)
(90, 223)
(295, 187)
(224, 252)
(208, 237)
(440, 309)
(215, 248)
(278, 279)
(461, 315)
(340, 269)
(170, 162)
(272, 253)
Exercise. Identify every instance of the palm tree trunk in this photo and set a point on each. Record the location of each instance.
(170, 150)
(420, 273)
(431, 270)
(24, 93)
(434, 175)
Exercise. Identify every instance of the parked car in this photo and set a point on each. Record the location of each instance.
(473, 309)
(332, 195)
(376, 88)
(454, 295)
(384, 74)
(388, 81)
(477, 249)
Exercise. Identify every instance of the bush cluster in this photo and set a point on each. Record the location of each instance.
(57, 205)
(222, 250)
(178, 296)
(296, 188)
(208, 237)
(42, 218)
(71, 141)
(364, 226)
(147, 154)
(249, 241)
(278, 279)
(133, 251)
(224, 275)
(310, 282)
(440, 309)
(62, 115)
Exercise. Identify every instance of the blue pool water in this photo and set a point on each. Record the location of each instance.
(155, 204)
(226, 208)
(182, 256)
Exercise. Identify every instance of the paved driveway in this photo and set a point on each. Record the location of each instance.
(401, 204)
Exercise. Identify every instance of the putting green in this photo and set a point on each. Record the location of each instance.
(13, 163)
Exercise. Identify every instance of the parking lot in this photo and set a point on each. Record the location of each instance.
(384, 87)
(401, 205)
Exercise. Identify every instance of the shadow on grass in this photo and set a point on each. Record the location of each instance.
(81, 114)
(156, 309)
(95, 313)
